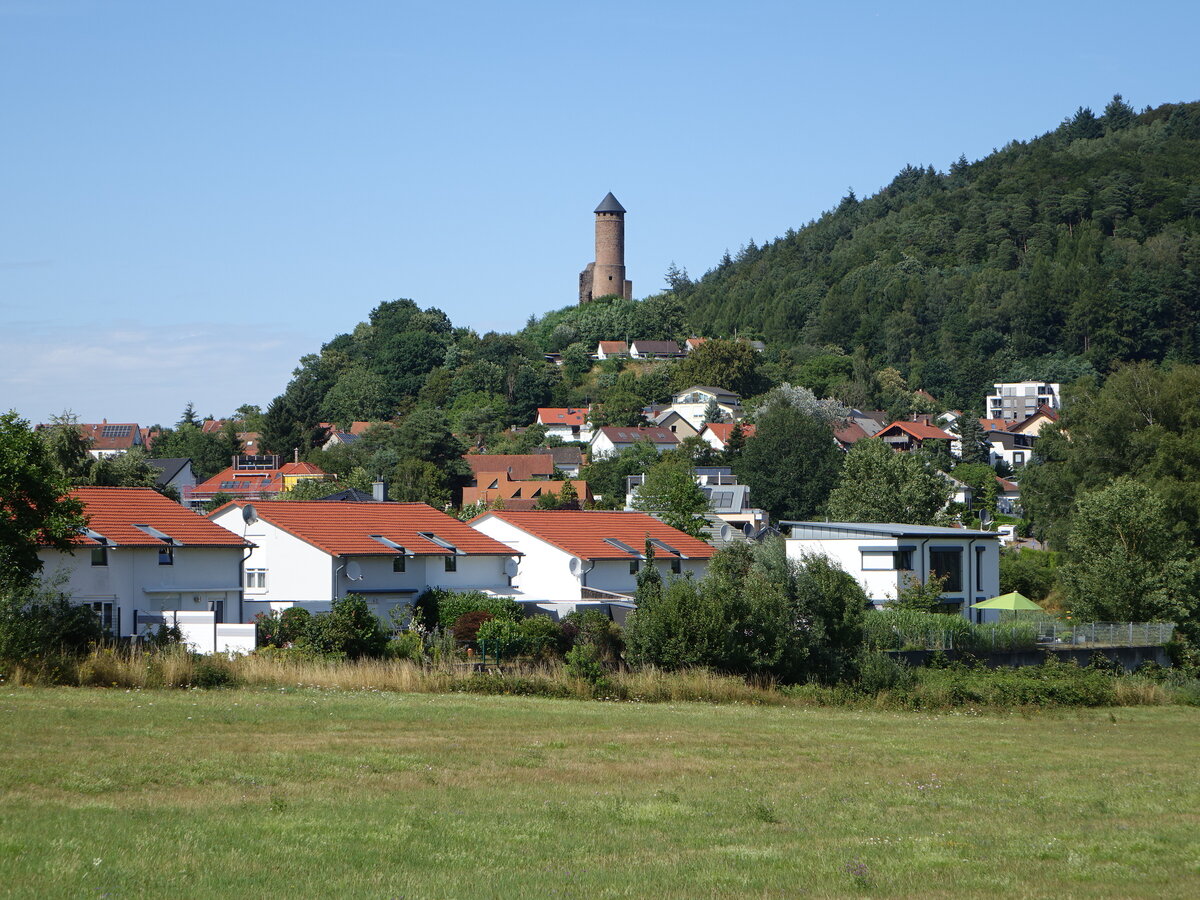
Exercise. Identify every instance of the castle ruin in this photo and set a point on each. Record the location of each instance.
(606, 276)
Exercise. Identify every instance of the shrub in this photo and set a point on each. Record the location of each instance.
(294, 623)
(466, 626)
(37, 620)
(406, 645)
(500, 637)
(543, 637)
(447, 607)
(583, 662)
(349, 628)
(213, 672)
(593, 627)
(880, 672)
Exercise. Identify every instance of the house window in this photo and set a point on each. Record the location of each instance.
(946, 562)
(104, 609)
(397, 563)
(166, 555)
(1018, 458)
(451, 563)
(256, 579)
(634, 566)
(902, 560)
(677, 567)
(100, 555)
(979, 551)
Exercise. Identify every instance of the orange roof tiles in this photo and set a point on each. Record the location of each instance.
(918, 430)
(242, 481)
(519, 466)
(508, 490)
(345, 529)
(628, 435)
(724, 429)
(553, 415)
(112, 513)
(582, 532)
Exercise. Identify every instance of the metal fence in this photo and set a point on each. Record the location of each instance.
(922, 631)
(1105, 634)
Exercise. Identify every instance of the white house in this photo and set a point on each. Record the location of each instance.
(308, 554)
(1018, 400)
(654, 349)
(610, 349)
(572, 558)
(692, 403)
(612, 439)
(142, 553)
(883, 558)
(568, 423)
(716, 434)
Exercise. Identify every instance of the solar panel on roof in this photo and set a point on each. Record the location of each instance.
(115, 431)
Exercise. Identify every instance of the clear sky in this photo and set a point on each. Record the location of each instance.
(193, 195)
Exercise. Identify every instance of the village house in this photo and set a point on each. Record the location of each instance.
(912, 435)
(497, 486)
(884, 558)
(612, 439)
(308, 554)
(654, 350)
(716, 434)
(576, 559)
(568, 423)
(173, 473)
(141, 554)
(253, 478)
(611, 349)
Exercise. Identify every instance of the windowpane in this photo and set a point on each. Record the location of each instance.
(397, 563)
(946, 562)
(451, 563)
(100, 556)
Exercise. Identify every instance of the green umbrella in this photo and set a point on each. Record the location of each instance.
(1011, 601)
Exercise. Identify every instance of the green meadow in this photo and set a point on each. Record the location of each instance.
(306, 793)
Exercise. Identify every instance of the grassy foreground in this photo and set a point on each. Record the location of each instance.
(303, 793)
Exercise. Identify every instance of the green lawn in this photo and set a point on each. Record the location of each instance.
(307, 794)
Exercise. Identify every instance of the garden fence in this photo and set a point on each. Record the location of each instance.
(1016, 635)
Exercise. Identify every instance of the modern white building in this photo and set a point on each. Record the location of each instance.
(692, 403)
(1018, 400)
(142, 554)
(580, 558)
(612, 439)
(308, 554)
(884, 558)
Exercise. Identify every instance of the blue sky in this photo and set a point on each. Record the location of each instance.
(193, 195)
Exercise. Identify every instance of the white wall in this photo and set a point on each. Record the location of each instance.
(981, 577)
(133, 580)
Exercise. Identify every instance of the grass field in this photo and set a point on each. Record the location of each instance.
(300, 793)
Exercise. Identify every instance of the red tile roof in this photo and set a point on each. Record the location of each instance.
(345, 529)
(619, 434)
(919, 431)
(509, 491)
(554, 415)
(724, 429)
(614, 347)
(253, 483)
(994, 424)
(112, 513)
(112, 435)
(850, 433)
(518, 466)
(582, 533)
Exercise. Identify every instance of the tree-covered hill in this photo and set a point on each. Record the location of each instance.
(1047, 259)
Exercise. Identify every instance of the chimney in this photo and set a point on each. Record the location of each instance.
(379, 491)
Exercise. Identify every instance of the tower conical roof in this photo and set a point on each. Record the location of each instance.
(610, 204)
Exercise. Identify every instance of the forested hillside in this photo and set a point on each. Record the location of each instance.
(1049, 258)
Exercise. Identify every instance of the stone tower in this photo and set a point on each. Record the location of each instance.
(606, 276)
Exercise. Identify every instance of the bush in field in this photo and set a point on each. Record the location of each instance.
(282, 629)
(755, 613)
(443, 607)
(593, 627)
(466, 627)
(37, 620)
(406, 645)
(542, 636)
(349, 627)
(500, 637)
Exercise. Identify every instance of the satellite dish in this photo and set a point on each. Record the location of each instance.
(726, 533)
(748, 529)
(354, 571)
(249, 514)
(510, 567)
(576, 565)
(985, 518)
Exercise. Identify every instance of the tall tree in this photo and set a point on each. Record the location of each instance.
(972, 440)
(879, 484)
(36, 509)
(670, 491)
(791, 464)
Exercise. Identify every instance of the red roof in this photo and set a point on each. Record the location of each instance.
(1006, 485)
(994, 424)
(518, 466)
(555, 415)
(345, 529)
(582, 533)
(850, 433)
(112, 435)
(112, 513)
(250, 482)
(918, 431)
(614, 347)
(619, 434)
(724, 429)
